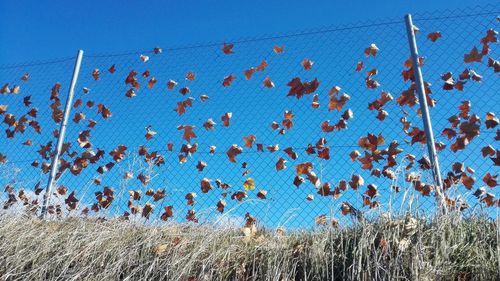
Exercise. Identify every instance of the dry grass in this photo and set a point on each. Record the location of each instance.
(446, 248)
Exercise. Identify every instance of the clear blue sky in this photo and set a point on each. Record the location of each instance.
(39, 30)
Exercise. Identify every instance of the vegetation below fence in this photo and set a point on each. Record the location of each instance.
(443, 248)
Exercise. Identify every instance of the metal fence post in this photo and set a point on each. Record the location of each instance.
(419, 83)
(62, 132)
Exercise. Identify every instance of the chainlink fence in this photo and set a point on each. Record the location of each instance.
(296, 130)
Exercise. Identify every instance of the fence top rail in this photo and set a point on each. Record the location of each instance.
(479, 10)
(37, 63)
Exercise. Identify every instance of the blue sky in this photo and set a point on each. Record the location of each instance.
(38, 30)
(110, 28)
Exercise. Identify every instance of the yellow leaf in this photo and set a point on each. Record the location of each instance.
(249, 184)
(160, 249)
(321, 219)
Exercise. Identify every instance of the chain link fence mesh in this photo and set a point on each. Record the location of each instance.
(323, 127)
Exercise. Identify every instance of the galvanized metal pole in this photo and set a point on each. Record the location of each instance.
(62, 132)
(419, 83)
